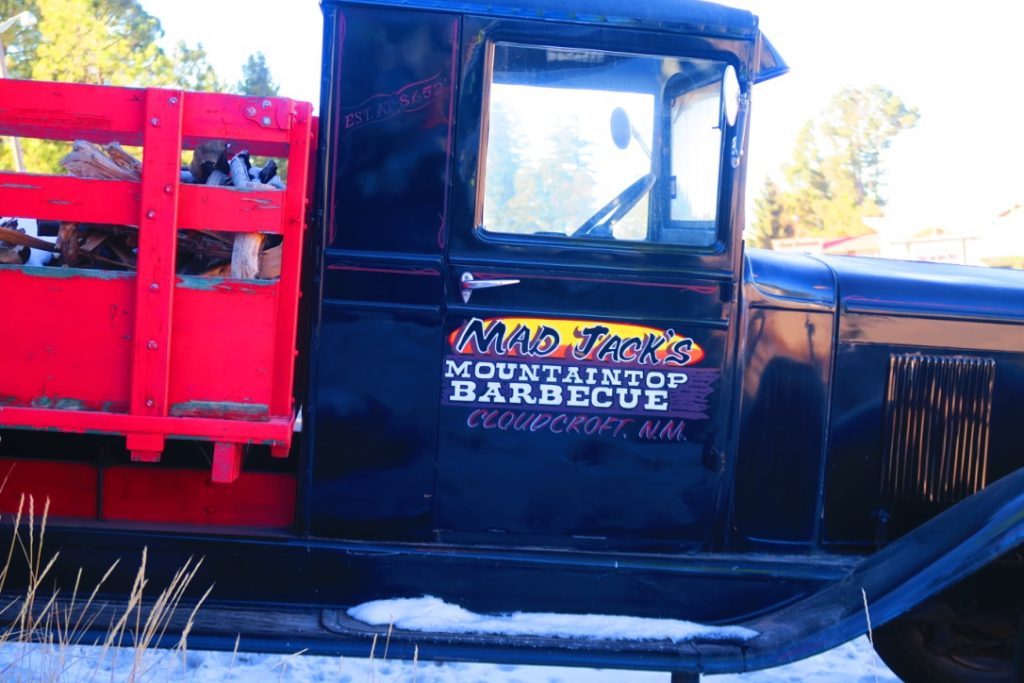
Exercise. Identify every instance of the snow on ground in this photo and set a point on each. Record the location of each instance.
(430, 614)
(851, 663)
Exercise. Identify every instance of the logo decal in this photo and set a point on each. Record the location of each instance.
(575, 340)
(383, 106)
(575, 376)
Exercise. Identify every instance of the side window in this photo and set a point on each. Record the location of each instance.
(695, 154)
(587, 144)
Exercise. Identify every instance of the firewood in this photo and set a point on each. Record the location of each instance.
(245, 256)
(67, 243)
(204, 159)
(198, 252)
(223, 237)
(217, 177)
(125, 256)
(123, 159)
(268, 171)
(15, 236)
(270, 263)
(217, 271)
(205, 244)
(267, 175)
(239, 171)
(94, 240)
(87, 160)
(14, 256)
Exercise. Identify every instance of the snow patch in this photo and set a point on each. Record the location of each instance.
(433, 614)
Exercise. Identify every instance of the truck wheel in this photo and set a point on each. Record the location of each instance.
(934, 646)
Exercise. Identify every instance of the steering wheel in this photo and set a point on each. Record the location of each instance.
(600, 224)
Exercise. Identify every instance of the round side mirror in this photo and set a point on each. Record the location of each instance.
(730, 95)
(621, 128)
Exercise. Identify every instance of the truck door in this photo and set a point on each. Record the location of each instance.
(586, 367)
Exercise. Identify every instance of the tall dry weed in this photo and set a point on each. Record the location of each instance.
(44, 625)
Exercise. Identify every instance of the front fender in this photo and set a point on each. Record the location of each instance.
(933, 557)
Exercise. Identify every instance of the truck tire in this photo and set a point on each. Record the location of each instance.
(933, 645)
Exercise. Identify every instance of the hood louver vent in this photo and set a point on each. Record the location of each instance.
(937, 427)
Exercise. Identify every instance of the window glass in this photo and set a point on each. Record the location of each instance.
(555, 165)
(696, 150)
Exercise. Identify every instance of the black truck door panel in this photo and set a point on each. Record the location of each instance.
(588, 310)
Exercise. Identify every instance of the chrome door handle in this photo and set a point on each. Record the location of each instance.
(469, 283)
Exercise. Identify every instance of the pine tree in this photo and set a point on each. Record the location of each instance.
(107, 42)
(836, 177)
(19, 44)
(19, 41)
(192, 71)
(770, 219)
(504, 164)
(256, 80)
(555, 193)
(103, 42)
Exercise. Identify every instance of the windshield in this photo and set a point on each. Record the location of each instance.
(554, 168)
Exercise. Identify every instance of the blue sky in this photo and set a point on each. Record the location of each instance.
(959, 63)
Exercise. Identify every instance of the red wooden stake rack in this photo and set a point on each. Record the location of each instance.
(153, 355)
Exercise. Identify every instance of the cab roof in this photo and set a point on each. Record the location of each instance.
(673, 16)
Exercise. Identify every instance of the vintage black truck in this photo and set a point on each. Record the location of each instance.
(535, 368)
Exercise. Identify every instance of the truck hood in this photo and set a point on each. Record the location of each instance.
(885, 287)
(934, 290)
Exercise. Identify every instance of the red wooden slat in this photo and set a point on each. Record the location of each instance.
(223, 343)
(64, 198)
(71, 111)
(154, 288)
(159, 494)
(273, 432)
(240, 120)
(72, 487)
(48, 367)
(227, 462)
(293, 225)
(80, 200)
(66, 338)
(228, 210)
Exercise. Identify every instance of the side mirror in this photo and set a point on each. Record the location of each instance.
(730, 95)
(622, 130)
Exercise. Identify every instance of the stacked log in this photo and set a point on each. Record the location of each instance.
(200, 252)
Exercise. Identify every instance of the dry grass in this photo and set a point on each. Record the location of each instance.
(44, 627)
(48, 635)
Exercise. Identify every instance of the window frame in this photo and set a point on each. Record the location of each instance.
(665, 199)
(659, 197)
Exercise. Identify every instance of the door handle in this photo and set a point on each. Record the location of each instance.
(469, 283)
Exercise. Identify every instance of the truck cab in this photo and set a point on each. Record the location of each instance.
(546, 265)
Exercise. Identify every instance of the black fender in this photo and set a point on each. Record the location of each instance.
(940, 553)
